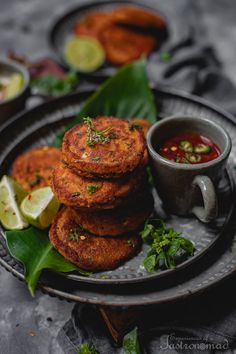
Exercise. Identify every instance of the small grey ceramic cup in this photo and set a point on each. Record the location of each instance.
(188, 188)
(15, 104)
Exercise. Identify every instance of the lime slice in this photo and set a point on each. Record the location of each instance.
(15, 85)
(84, 53)
(11, 194)
(40, 207)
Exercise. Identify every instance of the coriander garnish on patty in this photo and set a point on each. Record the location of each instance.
(95, 136)
(92, 188)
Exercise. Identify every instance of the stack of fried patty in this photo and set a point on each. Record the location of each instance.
(102, 182)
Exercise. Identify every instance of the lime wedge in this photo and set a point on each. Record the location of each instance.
(15, 85)
(11, 194)
(40, 207)
(84, 53)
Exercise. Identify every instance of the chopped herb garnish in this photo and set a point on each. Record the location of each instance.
(104, 277)
(128, 144)
(96, 158)
(168, 248)
(35, 181)
(92, 189)
(95, 136)
(133, 126)
(54, 86)
(131, 243)
(73, 235)
(87, 348)
(75, 194)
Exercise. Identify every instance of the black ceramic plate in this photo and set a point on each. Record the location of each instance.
(38, 126)
(41, 132)
(63, 29)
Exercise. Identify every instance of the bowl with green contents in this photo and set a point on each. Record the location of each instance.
(14, 88)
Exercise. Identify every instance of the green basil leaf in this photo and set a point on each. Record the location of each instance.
(131, 343)
(34, 250)
(126, 95)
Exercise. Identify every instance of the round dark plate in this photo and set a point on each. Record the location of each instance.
(38, 127)
(62, 30)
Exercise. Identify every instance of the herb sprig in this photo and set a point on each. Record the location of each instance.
(168, 248)
(87, 348)
(54, 86)
(95, 136)
(92, 189)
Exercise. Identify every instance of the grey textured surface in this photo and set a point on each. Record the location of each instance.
(30, 325)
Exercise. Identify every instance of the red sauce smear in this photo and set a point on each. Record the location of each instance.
(190, 148)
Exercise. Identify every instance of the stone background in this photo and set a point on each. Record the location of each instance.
(30, 325)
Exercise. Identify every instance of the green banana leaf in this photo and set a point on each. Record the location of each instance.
(33, 249)
(126, 95)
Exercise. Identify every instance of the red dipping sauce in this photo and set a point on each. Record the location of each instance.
(190, 148)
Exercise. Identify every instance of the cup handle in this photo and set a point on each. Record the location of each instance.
(209, 211)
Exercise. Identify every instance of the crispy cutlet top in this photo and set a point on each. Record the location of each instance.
(104, 147)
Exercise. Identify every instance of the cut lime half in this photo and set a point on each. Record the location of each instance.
(15, 85)
(84, 53)
(11, 194)
(40, 207)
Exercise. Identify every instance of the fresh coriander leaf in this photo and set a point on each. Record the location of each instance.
(95, 136)
(73, 235)
(167, 248)
(147, 233)
(75, 194)
(92, 189)
(150, 263)
(131, 343)
(34, 250)
(53, 86)
(87, 348)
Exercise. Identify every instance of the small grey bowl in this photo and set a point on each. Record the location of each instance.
(188, 188)
(15, 104)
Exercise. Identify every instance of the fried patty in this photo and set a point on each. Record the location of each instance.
(74, 190)
(87, 251)
(131, 15)
(93, 24)
(120, 151)
(34, 168)
(145, 125)
(117, 221)
(123, 46)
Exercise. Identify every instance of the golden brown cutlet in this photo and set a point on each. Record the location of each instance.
(123, 45)
(119, 152)
(93, 24)
(138, 17)
(87, 251)
(34, 168)
(116, 222)
(74, 190)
